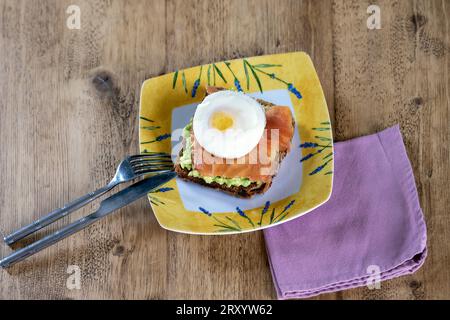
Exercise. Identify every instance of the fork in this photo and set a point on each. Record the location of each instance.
(129, 169)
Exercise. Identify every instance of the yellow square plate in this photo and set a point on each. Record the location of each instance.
(304, 181)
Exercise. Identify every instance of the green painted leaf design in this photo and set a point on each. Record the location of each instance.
(175, 77)
(183, 78)
(226, 228)
(272, 215)
(150, 127)
(246, 75)
(216, 68)
(321, 129)
(250, 221)
(146, 119)
(200, 72)
(233, 222)
(327, 156)
(208, 73)
(322, 138)
(266, 65)
(254, 75)
(156, 201)
(282, 216)
(320, 168)
(224, 225)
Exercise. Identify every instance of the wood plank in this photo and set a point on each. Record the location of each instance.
(400, 74)
(64, 133)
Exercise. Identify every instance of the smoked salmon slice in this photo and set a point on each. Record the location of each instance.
(259, 165)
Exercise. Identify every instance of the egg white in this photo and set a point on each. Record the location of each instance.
(247, 127)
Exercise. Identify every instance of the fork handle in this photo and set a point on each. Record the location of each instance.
(47, 241)
(56, 215)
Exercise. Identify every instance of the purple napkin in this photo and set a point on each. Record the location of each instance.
(371, 229)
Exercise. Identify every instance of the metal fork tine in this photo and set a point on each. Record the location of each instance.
(155, 172)
(152, 163)
(151, 159)
(155, 166)
(152, 168)
(145, 169)
(149, 156)
(148, 153)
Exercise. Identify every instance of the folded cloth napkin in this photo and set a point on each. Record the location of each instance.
(371, 229)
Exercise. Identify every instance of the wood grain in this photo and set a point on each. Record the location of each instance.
(68, 114)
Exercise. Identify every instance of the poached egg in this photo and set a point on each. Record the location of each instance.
(229, 124)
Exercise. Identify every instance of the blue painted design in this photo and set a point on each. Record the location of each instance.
(313, 145)
(195, 87)
(237, 84)
(163, 190)
(288, 206)
(319, 168)
(309, 145)
(163, 137)
(234, 226)
(242, 214)
(309, 155)
(264, 211)
(292, 89)
(156, 201)
(158, 138)
(205, 211)
(266, 207)
(283, 213)
(196, 83)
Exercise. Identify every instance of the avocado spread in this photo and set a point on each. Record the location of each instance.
(186, 163)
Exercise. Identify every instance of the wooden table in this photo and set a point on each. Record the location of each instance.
(61, 135)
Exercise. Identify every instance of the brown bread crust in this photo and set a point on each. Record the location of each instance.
(239, 191)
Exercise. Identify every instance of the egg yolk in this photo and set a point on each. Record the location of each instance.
(221, 121)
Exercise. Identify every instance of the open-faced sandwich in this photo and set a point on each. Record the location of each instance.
(235, 143)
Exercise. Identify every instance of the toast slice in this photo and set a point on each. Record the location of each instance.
(238, 191)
